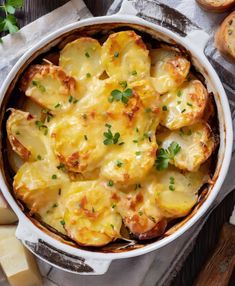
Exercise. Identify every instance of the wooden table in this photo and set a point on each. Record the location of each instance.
(208, 237)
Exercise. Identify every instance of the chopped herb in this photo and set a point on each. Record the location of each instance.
(87, 55)
(189, 104)
(152, 219)
(171, 188)
(121, 143)
(55, 205)
(93, 210)
(75, 101)
(140, 213)
(179, 101)
(108, 125)
(17, 132)
(61, 166)
(164, 108)
(123, 84)
(179, 93)
(70, 98)
(119, 163)
(183, 110)
(57, 105)
(137, 129)
(39, 157)
(147, 110)
(134, 73)
(41, 126)
(118, 95)
(37, 84)
(85, 137)
(59, 192)
(135, 141)
(165, 155)
(116, 54)
(113, 206)
(138, 153)
(48, 114)
(112, 226)
(110, 183)
(109, 137)
(88, 75)
(54, 176)
(62, 222)
(172, 180)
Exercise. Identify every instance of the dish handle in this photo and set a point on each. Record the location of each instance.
(167, 17)
(58, 258)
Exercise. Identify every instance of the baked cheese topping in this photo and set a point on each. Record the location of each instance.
(119, 139)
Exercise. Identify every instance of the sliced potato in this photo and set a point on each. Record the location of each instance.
(37, 184)
(169, 69)
(177, 192)
(49, 86)
(125, 56)
(82, 58)
(89, 217)
(196, 141)
(27, 139)
(184, 106)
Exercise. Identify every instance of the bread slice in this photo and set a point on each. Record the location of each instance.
(217, 6)
(225, 37)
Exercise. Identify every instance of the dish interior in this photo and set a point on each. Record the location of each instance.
(110, 138)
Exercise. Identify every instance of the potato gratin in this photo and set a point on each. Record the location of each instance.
(122, 139)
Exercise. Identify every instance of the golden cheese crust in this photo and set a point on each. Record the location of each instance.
(218, 6)
(122, 139)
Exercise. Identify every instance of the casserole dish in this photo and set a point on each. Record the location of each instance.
(65, 255)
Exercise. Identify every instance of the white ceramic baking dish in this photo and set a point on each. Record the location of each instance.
(64, 255)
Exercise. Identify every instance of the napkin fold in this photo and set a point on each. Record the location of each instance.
(158, 267)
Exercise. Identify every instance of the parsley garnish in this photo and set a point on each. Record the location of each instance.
(119, 163)
(57, 105)
(138, 153)
(165, 155)
(140, 213)
(147, 110)
(88, 75)
(110, 183)
(118, 95)
(62, 222)
(9, 24)
(39, 157)
(183, 110)
(17, 132)
(87, 55)
(85, 137)
(39, 85)
(54, 177)
(59, 192)
(134, 73)
(189, 104)
(123, 84)
(116, 54)
(61, 166)
(164, 108)
(110, 138)
(179, 93)
(41, 126)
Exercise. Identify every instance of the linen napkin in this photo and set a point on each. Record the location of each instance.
(156, 268)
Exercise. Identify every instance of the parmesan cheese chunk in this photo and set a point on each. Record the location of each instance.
(16, 261)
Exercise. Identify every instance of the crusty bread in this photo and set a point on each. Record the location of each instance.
(218, 6)
(225, 37)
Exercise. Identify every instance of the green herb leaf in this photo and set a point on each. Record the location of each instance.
(15, 3)
(116, 54)
(119, 163)
(10, 24)
(54, 177)
(37, 84)
(123, 84)
(124, 96)
(87, 55)
(110, 138)
(166, 155)
(62, 222)
(10, 9)
(110, 183)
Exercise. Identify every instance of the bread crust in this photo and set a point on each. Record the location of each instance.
(216, 6)
(222, 37)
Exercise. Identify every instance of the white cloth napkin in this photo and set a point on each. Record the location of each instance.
(156, 268)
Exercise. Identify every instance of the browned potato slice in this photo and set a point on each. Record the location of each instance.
(225, 37)
(216, 5)
(82, 58)
(37, 184)
(49, 86)
(89, 216)
(125, 56)
(177, 192)
(169, 69)
(196, 141)
(27, 139)
(184, 106)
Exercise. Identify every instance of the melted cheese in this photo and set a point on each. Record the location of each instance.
(90, 168)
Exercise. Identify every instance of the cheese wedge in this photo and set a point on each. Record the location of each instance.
(7, 216)
(16, 261)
